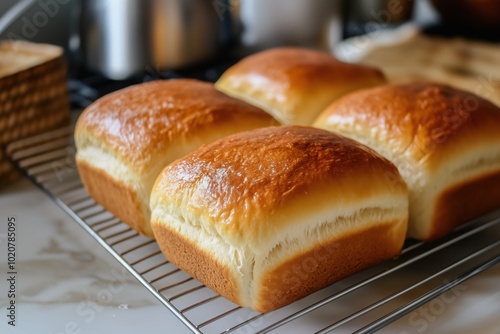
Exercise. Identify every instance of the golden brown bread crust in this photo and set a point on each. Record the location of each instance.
(300, 69)
(239, 211)
(425, 122)
(141, 121)
(115, 196)
(126, 138)
(443, 140)
(295, 278)
(295, 84)
(464, 202)
(238, 186)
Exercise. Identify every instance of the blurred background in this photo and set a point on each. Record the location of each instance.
(127, 39)
(111, 44)
(121, 38)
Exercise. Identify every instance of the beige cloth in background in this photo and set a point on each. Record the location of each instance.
(469, 65)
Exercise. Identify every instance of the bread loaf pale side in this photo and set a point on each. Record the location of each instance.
(268, 216)
(126, 138)
(444, 141)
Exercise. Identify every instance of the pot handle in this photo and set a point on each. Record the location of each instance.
(13, 13)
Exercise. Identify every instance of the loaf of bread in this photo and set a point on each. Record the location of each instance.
(444, 141)
(267, 216)
(126, 138)
(295, 84)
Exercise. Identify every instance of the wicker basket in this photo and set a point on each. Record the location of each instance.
(33, 94)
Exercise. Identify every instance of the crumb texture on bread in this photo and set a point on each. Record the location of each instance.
(249, 203)
(438, 137)
(295, 84)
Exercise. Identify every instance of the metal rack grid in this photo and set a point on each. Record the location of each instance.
(362, 303)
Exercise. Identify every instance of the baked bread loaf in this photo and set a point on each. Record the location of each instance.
(444, 141)
(295, 84)
(247, 213)
(126, 138)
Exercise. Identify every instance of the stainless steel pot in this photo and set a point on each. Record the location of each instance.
(311, 23)
(120, 38)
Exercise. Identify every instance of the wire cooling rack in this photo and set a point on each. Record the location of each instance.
(362, 303)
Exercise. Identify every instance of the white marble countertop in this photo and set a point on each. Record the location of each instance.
(67, 283)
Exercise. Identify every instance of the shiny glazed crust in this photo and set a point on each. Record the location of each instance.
(294, 84)
(236, 213)
(441, 139)
(126, 138)
(139, 122)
